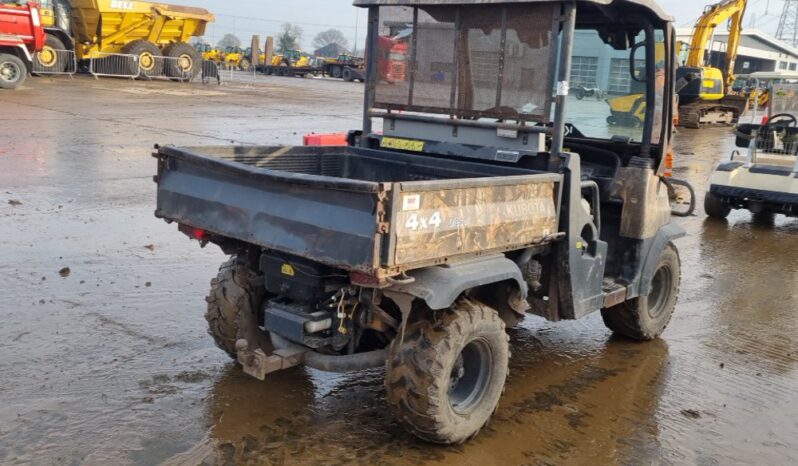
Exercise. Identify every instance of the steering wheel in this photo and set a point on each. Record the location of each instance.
(782, 120)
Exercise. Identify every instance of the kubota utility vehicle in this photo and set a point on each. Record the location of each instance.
(484, 195)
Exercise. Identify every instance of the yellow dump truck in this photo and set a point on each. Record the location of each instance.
(93, 28)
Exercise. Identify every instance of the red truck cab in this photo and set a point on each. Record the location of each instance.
(21, 35)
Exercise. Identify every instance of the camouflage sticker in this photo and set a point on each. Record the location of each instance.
(468, 220)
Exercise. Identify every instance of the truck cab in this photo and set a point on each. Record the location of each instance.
(21, 36)
(478, 190)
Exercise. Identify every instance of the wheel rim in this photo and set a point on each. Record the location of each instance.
(658, 298)
(47, 57)
(185, 63)
(470, 377)
(147, 61)
(9, 72)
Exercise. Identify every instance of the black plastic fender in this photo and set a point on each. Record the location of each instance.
(440, 286)
(665, 235)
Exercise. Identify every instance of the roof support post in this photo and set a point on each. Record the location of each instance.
(564, 73)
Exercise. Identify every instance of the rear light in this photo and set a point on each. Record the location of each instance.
(194, 233)
(198, 234)
(765, 120)
(361, 279)
(669, 164)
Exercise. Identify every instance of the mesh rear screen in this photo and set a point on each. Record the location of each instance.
(468, 61)
(784, 99)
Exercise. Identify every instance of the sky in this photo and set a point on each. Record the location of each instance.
(247, 17)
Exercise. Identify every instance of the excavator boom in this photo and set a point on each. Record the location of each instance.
(713, 16)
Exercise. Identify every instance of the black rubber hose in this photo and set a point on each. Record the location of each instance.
(336, 363)
(670, 183)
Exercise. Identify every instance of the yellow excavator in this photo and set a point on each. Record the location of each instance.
(706, 97)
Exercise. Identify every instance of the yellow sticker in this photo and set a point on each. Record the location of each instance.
(402, 144)
(287, 269)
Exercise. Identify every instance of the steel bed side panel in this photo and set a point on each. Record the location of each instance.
(321, 221)
(436, 220)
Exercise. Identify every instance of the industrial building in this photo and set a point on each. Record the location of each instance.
(758, 51)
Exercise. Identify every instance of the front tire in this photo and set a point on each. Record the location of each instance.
(445, 377)
(235, 290)
(715, 208)
(13, 71)
(646, 317)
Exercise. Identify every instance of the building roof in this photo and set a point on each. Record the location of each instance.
(650, 5)
(761, 36)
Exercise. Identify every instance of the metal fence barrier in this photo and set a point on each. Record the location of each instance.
(117, 65)
(210, 71)
(128, 66)
(55, 62)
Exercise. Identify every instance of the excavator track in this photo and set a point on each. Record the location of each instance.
(724, 112)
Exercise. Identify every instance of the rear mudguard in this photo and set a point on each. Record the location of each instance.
(664, 236)
(440, 286)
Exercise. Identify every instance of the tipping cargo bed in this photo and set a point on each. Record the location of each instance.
(371, 211)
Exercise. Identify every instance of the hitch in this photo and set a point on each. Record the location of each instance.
(257, 364)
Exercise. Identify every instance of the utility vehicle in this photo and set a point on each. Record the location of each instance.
(486, 193)
(764, 180)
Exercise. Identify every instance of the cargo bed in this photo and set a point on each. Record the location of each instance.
(370, 211)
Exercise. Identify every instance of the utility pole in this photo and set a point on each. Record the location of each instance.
(788, 23)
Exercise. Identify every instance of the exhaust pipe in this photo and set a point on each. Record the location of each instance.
(334, 363)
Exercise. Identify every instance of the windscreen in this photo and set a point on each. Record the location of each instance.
(607, 96)
(468, 61)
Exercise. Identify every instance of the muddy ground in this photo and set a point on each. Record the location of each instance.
(108, 362)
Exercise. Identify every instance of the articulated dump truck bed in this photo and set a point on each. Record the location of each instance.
(369, 211)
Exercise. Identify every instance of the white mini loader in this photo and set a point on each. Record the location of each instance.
(765, 180)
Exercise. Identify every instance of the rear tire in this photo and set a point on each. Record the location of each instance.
(336, 72)
(13, 71)
(148, 58)
(186, 63)
(715, 208)
(234, 291)
(346, 74)
(444, 379)
(646, 317)
(47, 60)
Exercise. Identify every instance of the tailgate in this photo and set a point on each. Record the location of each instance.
(435, 220)
(326, 219)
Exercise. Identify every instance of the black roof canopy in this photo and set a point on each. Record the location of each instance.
(649, 5)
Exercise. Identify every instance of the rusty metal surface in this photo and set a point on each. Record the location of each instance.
(449, 222)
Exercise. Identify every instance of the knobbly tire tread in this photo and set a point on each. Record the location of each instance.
(231, 293)
(416, 374)
(626, 319)
(175, 50)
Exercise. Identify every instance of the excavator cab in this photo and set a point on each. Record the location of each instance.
(704, 82)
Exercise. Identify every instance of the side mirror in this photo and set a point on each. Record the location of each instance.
(633, 59)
